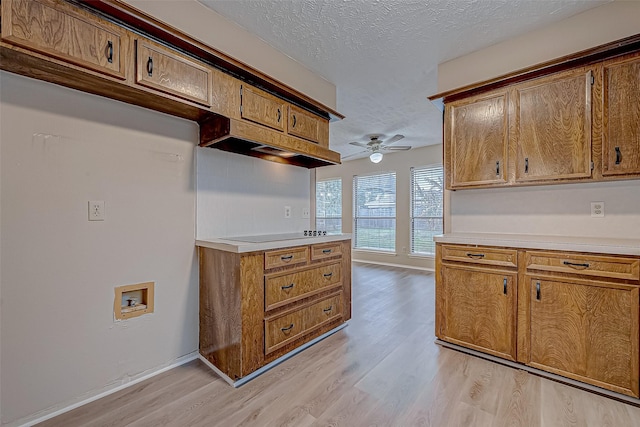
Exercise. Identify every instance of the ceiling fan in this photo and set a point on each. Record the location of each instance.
(376, 146)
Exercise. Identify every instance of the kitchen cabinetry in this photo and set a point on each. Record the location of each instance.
(552, 127)
(476, 133)
(621, 111)
(62, 32)
(258, 306)
(568, 313)
(162, 69)
(305, 125)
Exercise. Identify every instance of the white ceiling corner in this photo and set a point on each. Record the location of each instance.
(382, 55)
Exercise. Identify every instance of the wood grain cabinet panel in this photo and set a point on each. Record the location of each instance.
(479, 309)
(286, 257)
(621, 117)
(476, 134)
(610, 267)
(281, 289)
(304, 124)
(262, 108)
(480, 255)
(553, 127)
(165, 70)
(325, 250)
(56, 30)
(586, 331)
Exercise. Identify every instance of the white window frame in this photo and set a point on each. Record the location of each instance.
(357, 243)
(431, 172)
(328, 217)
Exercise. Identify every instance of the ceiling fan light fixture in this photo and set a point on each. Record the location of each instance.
(376, 157)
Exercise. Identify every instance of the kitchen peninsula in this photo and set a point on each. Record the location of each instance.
(265, 298)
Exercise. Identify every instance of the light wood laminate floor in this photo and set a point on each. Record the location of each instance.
(382, 370)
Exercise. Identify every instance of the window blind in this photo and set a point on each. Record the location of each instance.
(427, 185)
(374, 211)
(329, 206)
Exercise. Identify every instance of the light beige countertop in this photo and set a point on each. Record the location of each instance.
(531, 241)
(244, 244)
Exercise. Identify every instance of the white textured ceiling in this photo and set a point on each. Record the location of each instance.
(382, 55)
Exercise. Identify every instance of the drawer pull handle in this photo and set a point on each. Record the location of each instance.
(498, 168)
(279, 115)
(110, 51)
(504, 286)
(150, 66)
(287, 329)
(526, 165)
(618, 156)
(328, 309)
(573, 264)
(327, 275)
(294, 121)
(538, 291)
(286, 258)
(470, 255)
(327, 251)
(287, 287)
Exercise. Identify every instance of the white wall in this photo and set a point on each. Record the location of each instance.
(604, 24)
(242, 196)
(401, 163)
(60, 343)
(228, 37)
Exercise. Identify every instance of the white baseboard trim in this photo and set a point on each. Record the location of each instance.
(55, 412)
(389, 264)
(555, 377)
(265, 368)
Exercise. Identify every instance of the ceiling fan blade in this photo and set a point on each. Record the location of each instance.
(359, 144)
(351, 155)
(399, 148)
(393, 139)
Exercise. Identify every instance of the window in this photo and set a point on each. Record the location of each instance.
(329, 206)
(374, 211)
(426, 208)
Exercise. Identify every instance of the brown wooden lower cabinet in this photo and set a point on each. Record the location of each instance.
(258, 306)
(570, 314)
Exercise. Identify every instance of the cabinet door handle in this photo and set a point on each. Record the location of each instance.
(470, 255)
(498, 168)
(328, 309)
(110, 51)
(286, 258)
(327, 275)
(618, 156)
(573, 264)
(287, 329)
(287, 286)
(150, 66)
(538, 291)
(279, 115)
(504, 286)
(526, 165)
(327, 251)
(294, 121)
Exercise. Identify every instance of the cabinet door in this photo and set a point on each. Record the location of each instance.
(621, 117)
(262, 108)
(162, 69)
(587, 332)
(479, 309)
(476, 132)
(62, 33)
(304, 124)
(552, 130)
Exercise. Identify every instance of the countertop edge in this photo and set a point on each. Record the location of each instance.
(542, 242)
(245, 247)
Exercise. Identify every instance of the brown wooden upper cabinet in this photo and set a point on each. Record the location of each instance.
(303, 124)
(621, 116)
(476, 136)
(552, 127)
(163, 69)
(62, 32)
(262, 108)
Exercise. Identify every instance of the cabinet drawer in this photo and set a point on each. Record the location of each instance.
(164, 70)
(63, 34)
(325, 250)
(285, 257)
(288, 327)
(585, 265)
(303, 124)
(286, 288)
(262, 108)
(480, 255)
